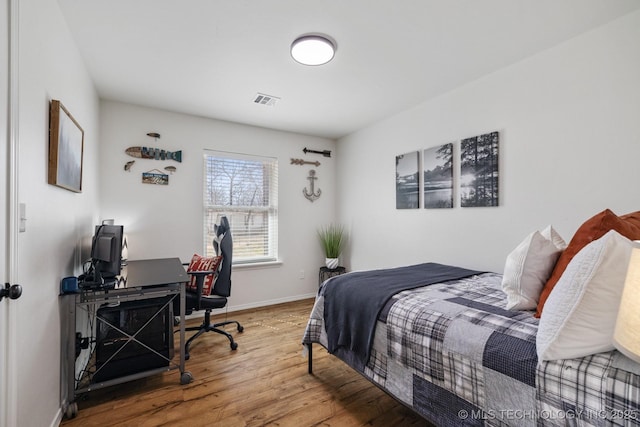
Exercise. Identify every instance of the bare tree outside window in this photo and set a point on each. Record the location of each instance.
(244, 188)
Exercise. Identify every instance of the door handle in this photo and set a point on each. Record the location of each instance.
(10, 291)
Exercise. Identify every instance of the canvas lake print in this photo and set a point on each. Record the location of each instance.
(66, 148)
(479, 171)
(438, 177)
(408, 181)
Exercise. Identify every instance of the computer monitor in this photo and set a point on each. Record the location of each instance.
(106, 252)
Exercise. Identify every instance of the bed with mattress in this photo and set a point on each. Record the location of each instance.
(458, 348)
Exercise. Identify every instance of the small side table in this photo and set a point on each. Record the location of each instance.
(326, 273)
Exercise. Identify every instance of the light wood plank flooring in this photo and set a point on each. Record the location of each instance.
(263, 383)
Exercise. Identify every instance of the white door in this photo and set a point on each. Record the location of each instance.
(7, 212)
(4, 314)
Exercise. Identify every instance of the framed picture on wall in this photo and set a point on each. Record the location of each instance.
(407, 181)
(437, 172)
(66, 147)
(479, 171)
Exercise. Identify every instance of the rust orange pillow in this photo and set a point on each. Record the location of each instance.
(592, 229)
(199, 263)
(633, 218)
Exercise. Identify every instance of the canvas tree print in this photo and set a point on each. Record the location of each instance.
(479, 171)
(438, 177)
(407, 181)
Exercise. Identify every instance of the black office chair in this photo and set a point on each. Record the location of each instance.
(223, 245)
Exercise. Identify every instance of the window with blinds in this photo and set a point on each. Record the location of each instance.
(245, 189)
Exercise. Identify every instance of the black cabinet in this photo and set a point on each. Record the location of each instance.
(117, 353)
(326, 273)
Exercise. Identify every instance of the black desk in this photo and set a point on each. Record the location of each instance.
(152, 273)
(139, 280)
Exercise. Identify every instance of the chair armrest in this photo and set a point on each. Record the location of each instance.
(199, 275)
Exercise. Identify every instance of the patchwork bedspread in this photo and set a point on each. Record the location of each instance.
(454, 354)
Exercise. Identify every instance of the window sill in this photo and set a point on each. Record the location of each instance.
(251, 265)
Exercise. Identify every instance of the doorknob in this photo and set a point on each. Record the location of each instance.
(11, 292)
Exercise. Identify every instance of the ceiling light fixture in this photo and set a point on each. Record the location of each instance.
(313, 49)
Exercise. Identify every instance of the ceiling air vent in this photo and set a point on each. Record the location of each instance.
(263, 99)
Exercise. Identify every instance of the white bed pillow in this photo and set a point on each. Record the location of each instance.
(529, 266)
(580, 315)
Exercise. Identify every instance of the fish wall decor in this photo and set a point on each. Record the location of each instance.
(154, 153)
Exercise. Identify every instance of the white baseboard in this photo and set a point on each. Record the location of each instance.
(58, 418)
(232, 308)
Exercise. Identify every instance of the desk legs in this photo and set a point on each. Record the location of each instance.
(69, 406)
(68, 344)
(185, 376)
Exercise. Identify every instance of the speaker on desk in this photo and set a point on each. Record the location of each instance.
(116, 355)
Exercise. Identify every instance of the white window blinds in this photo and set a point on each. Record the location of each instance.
(245, 189)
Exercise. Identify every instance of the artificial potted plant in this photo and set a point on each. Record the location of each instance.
(332, 239)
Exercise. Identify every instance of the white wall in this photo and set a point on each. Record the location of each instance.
(569, 123)
(58, 221)
(167, 221)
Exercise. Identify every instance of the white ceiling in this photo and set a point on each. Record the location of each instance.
(210, 57)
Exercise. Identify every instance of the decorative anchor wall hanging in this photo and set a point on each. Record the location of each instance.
(312, 195)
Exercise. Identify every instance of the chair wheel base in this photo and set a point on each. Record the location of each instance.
(234, 345)
(186, 378)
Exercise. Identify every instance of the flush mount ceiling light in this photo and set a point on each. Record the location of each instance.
(313, 49)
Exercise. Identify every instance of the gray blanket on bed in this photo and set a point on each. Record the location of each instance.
(352, 302)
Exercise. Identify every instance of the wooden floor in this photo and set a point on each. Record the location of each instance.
(263, 383)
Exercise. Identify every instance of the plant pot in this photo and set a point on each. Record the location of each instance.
(331, 263)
